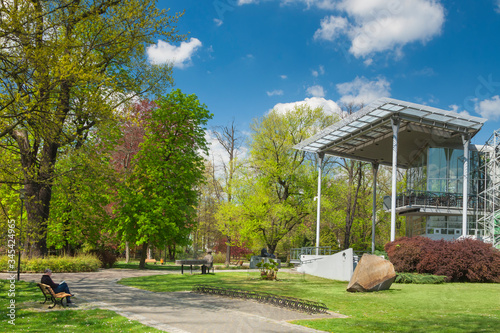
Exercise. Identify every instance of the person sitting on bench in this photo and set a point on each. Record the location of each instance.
(56, 287)
(210, 260)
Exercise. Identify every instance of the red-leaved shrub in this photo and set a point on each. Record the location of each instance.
(406, 253)
(460, 260)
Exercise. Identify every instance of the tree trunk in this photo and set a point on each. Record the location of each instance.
(171, 252)
(150, 253)
(127, 252)
(271, 248)
(142, 263)
(228, 251)
(38, 188)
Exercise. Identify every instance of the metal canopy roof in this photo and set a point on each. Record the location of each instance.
(367, 134)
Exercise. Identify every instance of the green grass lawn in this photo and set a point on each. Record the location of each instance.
(30, 317)
(450, 307)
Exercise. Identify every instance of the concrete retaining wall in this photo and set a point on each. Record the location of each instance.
(338, 266)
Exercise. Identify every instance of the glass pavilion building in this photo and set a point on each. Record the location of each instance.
(433, 200)
(446, 175)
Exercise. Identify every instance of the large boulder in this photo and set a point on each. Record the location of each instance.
(372, 273)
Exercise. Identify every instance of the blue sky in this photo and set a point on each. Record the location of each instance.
(245, 57)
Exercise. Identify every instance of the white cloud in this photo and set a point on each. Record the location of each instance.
(284, 77)
(457, 109)
(316, 91)
(274, 93)
(368, 61)
(328, 106)
(378, 25)
(246, 2)
(320, 71)
(426, 71)
(497, 9)
(218, 22)
(321, 4)
(331, 27)
(489, 108)
(179, 56)
(363, 91)
(248, 57)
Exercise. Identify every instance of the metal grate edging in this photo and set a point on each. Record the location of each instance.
(297, 304)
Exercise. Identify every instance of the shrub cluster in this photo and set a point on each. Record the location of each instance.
(460, 260)
(107, 257)
(219, 258)
(268, 270)
(81, 263)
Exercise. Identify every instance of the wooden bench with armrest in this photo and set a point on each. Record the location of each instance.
(205, 265)
(50, 295)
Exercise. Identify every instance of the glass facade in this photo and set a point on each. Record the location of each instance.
(437, 175)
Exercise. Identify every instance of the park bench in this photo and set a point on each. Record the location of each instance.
(50, 295)
(151, 261)
(203, 262)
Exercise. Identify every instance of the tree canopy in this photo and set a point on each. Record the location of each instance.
(65, 68)
(158, 200)
(270, 197)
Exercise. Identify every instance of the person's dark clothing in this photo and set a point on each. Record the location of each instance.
(56, 287)
(48, 281)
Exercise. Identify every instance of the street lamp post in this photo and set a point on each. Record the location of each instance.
(21, 196)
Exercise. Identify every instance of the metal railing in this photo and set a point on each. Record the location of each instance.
(436, 199)
(281, 301)
(297, 252)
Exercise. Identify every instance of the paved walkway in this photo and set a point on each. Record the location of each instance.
(177, 312)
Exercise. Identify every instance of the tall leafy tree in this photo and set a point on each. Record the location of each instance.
(271, 198)
(81, 195)
(158, 200)
(65, 66)
(230, 140)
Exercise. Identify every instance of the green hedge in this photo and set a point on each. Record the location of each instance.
(81, 263)
(419, 278)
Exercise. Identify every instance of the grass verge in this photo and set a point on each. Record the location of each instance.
(450, 307)
(31, 317)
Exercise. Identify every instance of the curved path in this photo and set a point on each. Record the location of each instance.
(177, 312)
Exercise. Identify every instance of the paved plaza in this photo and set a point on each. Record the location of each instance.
(176, 312)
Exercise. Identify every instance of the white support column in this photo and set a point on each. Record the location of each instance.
(374, 207)
(395, 130)
(466, 142)
(318, 198)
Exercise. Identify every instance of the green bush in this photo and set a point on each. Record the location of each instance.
(268, 270)
(219, 258)
(419, 278)
(81, 263)
(107, 257)
(380, 253)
